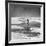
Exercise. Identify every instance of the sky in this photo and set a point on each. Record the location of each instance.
(24, 10)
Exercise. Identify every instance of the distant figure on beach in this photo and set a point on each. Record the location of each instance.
(27, 22)
(28, 27)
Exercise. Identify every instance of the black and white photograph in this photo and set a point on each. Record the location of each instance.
(25, 22)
